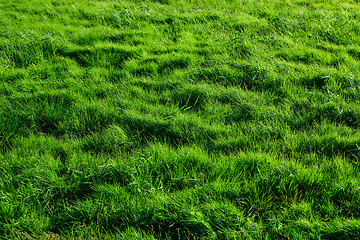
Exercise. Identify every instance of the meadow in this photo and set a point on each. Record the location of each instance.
(179, 119)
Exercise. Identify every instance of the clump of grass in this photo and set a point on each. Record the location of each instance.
(111, 140)
(29, 50)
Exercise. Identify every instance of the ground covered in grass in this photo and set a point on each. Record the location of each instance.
(186, 119)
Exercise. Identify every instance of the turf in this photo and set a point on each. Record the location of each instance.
(185, 119)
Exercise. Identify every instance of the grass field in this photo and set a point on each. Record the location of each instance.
(179, 119)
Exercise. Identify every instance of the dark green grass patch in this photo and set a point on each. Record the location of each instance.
(107, 56)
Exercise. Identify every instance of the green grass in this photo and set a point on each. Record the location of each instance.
(179, 119)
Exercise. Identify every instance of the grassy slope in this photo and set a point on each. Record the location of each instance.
(179, 119)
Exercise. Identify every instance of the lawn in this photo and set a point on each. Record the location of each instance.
(187, 119)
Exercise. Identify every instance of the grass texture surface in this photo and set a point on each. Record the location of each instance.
(186, 119)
